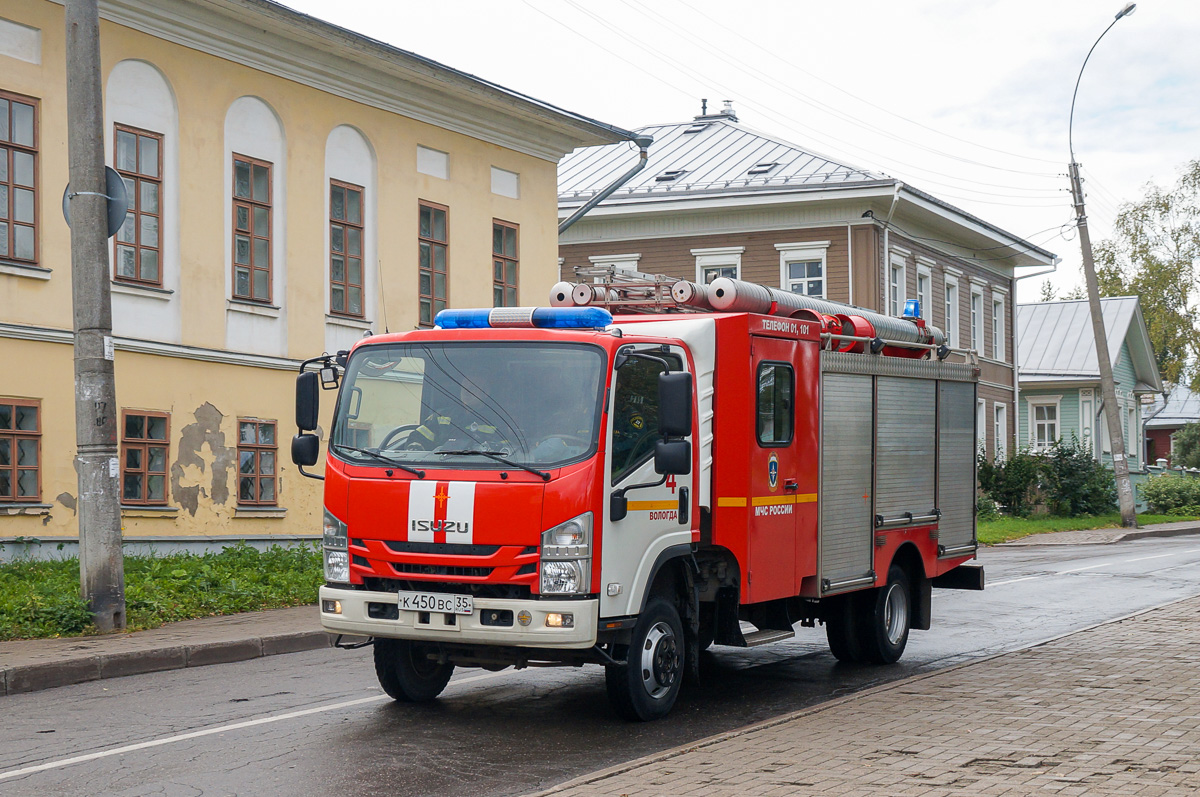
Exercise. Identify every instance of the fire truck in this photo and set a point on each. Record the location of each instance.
(638, 471)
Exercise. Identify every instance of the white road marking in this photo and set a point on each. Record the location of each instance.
(130, 748)
(1093, 567)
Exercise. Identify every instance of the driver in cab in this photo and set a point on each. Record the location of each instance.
(461, 425)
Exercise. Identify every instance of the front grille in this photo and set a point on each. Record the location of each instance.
(441, 570)
(525, 570)
(499, 591)
(443, 549)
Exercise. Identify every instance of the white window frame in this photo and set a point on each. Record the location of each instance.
(1000, 423)
(952, 312)
(925, 295)
(621, 264)
(999, 312)
(722, 257)
(803, 252)
(897, 287)
(1044, 401)
(981, 425)
(976, 314)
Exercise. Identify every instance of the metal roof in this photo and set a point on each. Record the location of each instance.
(1182, 407)
(1055, 341)
(717, 156)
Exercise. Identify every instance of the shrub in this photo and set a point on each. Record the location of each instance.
(1169, 492)
(986, 509)
(1012, 484)
(1075, 483)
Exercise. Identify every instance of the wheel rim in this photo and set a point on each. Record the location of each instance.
(423, 667)
(895, 613)
(660, 660)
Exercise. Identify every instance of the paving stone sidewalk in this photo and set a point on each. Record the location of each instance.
(1104, 536)
(1114, 710)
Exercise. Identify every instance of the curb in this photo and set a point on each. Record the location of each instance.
(36, 677)
(710, 741)
(1136, 534)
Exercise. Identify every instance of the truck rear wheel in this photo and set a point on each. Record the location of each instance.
(406, 672)
(646, 685)
(886, 618)
(842, 629)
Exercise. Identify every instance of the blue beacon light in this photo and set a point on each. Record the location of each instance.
(525, 317)
(912, 309)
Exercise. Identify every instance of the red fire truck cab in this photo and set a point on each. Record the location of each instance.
(558, 485)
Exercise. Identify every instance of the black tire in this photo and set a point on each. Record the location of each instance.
(646, 686)
(842, 628)
(406, 672)
(886, 619)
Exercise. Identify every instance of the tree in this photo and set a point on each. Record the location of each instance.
(1048, 294)
(1186, 451)
(1155, 255)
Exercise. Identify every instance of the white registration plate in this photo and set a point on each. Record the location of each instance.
(436, 602)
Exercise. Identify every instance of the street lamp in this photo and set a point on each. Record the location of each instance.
(1108, 389)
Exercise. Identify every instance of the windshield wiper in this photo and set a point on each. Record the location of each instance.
(420, 474)
(502, 460)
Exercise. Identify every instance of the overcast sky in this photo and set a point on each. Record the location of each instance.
(965, 99)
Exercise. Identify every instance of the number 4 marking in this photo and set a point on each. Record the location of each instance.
(671, 482)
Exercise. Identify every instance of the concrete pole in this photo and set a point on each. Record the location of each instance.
(1108, 387)
(101, 563)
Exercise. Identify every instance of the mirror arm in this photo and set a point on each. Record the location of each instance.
(623, 490)
(308, 475)
(625, 356)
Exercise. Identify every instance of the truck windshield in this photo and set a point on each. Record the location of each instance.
(533, 404)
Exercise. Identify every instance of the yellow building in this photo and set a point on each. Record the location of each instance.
(293, 186)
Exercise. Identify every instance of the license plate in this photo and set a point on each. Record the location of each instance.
(436, 602)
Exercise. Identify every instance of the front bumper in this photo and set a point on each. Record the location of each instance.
(466, 628)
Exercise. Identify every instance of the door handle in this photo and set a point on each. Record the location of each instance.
(791, 484)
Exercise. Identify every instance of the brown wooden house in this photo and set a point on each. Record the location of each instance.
(720, 199)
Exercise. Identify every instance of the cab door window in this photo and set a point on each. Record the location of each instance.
(775, 408)
(635, 412)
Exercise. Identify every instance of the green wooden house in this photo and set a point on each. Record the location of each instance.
(1059, 375)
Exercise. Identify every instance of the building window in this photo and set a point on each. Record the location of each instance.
(802, 267)
(1001, 431)
(345, 249)
(981, 425)
(504, 264)
(998, 329)
(432, 261)
(1045, 424)
(144, 445)
(18, 177)
(138, 248)
(977, 319)
(952, 312)
(251, 229)
(896, 294)
(723, 261)
(925, 290)
(774, 404)
(256, 462)
(20, 450)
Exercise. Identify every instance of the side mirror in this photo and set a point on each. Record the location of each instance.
(618, 507)
(305, 450)
(308, 400)
(673, 456)
(674, 405)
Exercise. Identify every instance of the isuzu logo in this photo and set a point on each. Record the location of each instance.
(441, 511)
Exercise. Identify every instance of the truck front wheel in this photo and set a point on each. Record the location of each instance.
(407, 673)
(887, 617)
(645, 686)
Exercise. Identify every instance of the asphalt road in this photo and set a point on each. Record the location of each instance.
(317, 722)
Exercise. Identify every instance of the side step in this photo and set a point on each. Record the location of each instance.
(756, 638)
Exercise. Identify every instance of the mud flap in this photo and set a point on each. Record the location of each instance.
(691, 629)
(922, 613)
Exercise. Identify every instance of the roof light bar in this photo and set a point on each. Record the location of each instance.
(525, 317)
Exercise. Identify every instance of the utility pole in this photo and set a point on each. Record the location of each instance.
(101, 562)
(1108, 387)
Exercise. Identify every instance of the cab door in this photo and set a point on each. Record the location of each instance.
(654, 521)
(774, 472)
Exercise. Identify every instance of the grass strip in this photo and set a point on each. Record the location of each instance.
(40, 599)
(1006, 529)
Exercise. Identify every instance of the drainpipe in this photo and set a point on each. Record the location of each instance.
(1165, 395)
(643, 143)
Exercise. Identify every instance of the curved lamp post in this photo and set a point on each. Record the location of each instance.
(1108, 389)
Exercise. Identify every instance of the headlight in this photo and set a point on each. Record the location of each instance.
(336, 553)
(564, 578)
(566, 557)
